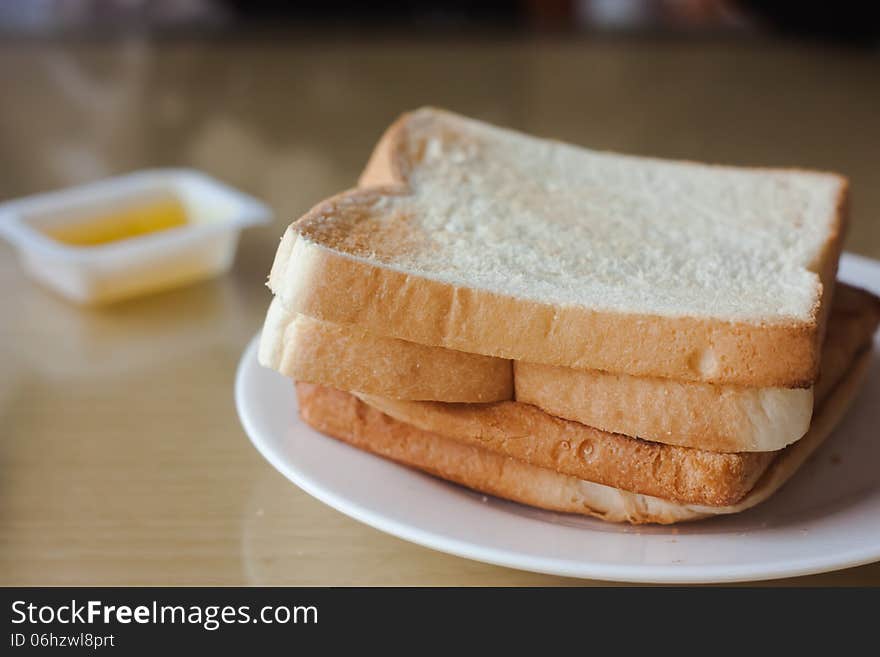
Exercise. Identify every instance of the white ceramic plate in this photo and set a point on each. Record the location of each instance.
(827, 517)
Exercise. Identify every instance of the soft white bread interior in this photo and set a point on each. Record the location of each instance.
(488, 241)
(349, 358)
(702, 415)
(344, 416)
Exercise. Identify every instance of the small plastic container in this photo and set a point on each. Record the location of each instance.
(202, 247)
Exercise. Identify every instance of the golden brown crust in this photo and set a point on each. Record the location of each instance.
(794, 456)
(345, 417)
(315, 281)
(386, 163)
(680, 474)
(688, 414)
(346, 357)
(854, 321)
(526, 433)
(700, 415)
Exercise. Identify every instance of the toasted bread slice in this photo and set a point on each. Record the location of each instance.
(487, 241)
(702, 415)
(528, 434)
(681, 474)
(344, 416)
(348, 358)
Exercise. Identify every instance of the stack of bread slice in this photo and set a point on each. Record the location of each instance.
(630, 338)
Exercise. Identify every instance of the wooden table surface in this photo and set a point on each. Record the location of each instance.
(122, 460)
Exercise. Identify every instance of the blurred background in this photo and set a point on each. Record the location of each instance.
(286, 99)
(122, 457)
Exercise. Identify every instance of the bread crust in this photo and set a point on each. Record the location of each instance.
(790, 459)
(701, 415)
(315, 281)
(347, 357)
(319, 281)
(681, 474)
(347, 418)
(688, 414)
(528, 434)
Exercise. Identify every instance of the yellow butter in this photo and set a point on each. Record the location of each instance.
(126, 223)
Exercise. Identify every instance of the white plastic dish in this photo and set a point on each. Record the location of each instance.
(827, 517)
(203, 247)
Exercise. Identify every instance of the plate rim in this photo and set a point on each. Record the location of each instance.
(628, 573)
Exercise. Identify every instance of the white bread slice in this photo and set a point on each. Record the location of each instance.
(344, 416)
(346, 357)
(702, 415)
(484, 240)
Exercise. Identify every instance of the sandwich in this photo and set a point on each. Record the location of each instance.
(630, 338)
